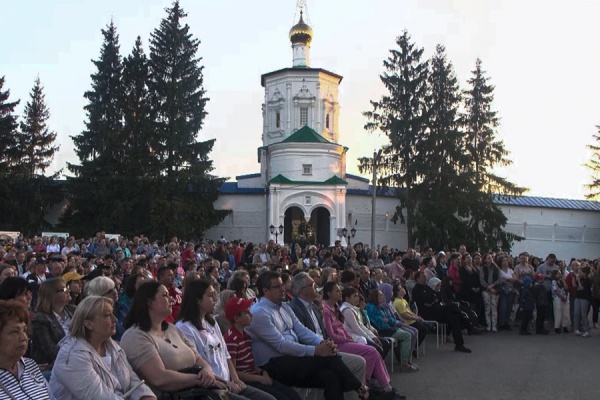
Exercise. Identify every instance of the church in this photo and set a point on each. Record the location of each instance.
(303, 188)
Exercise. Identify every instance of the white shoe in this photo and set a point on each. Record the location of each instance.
(595, 326)
(577, 333)
(494, 329)
(586, 334)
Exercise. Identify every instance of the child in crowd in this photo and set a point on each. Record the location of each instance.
(527, 304)
(239, 345)
(541, 304)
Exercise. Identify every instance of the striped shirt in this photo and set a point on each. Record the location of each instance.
(239, 345)
(29, 384)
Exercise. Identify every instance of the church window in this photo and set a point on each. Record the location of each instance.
(277, 120)
(327, 121)
(306, 169)
(303, 116)
(307, 200)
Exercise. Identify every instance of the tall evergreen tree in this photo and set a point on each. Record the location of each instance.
(183, 201)
(486, 151)
(8, 155)
(401, 116)
(594, 165)
(438, 220)
(36, 139)
(94, 190)
(8, 130)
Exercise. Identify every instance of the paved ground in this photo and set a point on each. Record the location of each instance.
(506, 365)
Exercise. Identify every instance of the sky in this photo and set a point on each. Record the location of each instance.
(541, 55)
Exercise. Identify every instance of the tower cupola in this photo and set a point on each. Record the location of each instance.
(301, 36)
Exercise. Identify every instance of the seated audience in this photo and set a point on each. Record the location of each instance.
(197, 324)
(20, 377)
(334, 324)
(90, 365)
(105, 287)
(291, 353)
(18, 289)
(159, 352)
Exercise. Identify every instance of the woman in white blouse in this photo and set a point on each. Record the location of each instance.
(354, 326)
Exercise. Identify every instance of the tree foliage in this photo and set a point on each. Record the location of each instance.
(142, 167)
(440, 158)
(594, 165)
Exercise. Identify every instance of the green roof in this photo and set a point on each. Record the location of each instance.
(334, 180)
(305, 135)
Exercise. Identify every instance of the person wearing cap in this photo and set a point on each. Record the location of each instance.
(239, 346)
(75, 285)
(37, 277)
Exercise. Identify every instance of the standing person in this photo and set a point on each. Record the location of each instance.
(595, 292)
(239, 346)
(471, 286)
(197, 324)
(583, 298)
(541, 304)
(291, 353)
(20, 377)
(454, 273)
(334, 320)
(561, 304)
(489, 277)
(90, 365)
(546, 270)
(527, 304)
(506, 299)
(571, 281)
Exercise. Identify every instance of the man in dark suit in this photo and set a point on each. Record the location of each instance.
(304, 292)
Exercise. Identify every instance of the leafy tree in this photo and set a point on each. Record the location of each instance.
(36, 140)
(594, 166)
(485, 151)
(94, 191)
(183, 198)
(401, 115)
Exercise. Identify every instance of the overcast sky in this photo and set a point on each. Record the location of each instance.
(542, 56)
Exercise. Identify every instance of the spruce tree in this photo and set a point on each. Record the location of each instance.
(9, 155)
(401, 116)
(485, 152)
(37, 141)
(94, 192)
(594, 165)
(438, 221)
(183, 199)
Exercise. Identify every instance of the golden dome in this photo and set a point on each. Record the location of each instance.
(301, 33)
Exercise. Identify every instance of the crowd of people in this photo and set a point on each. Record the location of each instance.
(142, 319)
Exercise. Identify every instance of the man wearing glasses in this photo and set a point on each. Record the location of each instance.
(290, 352)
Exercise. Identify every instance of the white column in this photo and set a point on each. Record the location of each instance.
(332, 230)
(288, 101)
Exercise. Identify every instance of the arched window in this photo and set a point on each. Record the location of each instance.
(277, 120)
(327, 121)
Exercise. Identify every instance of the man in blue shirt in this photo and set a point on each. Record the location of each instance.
(290, 352)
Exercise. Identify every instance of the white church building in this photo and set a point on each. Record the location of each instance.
(303, 187)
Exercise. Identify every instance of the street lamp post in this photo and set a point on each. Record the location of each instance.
(349, 234)
(277, 232)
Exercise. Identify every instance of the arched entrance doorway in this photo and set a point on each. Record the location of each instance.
(319, 221)
(294, 225)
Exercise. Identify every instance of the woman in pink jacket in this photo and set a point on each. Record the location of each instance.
(333, 321)
(455, 263)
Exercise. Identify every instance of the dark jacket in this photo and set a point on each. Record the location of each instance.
(540, 295)
(304, 317)
(526, 300)
(46, 333)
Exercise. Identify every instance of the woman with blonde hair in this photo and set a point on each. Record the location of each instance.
(224, 296)
(489, 277)
(90, 365)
